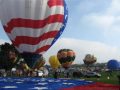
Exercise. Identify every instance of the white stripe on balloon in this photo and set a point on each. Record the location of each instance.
(33, 48)
(34, 32)
(19, 10)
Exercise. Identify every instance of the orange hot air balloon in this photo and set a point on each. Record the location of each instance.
(66, 57)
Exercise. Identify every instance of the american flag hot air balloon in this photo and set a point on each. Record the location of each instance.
(33, 26)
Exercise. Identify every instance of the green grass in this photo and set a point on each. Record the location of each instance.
(104, 78)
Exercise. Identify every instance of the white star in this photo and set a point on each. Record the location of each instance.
(9, 87)
(39, 88)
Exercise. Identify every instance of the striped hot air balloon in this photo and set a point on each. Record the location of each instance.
(33, 26)
(66, 57)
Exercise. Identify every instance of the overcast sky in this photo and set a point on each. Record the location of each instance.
(93, 27)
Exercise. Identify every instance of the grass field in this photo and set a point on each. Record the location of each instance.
(113, 79)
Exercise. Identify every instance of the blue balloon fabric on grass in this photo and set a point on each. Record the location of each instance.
(39, 83)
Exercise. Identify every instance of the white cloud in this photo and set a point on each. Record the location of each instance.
(108, 18)
(102, 51)
(100, 21)
(107, 21)
(114, 8)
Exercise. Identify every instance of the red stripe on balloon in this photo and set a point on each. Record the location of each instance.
(28, 23)
(42, 49)
(55, 3)
(33, 40)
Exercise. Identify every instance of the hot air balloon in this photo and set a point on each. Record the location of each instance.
(33, 26)
(40, 63)
(89, 59)
(54, 62)
(113, 64)
(66, 57)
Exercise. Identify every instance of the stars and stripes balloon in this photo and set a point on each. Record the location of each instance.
(33, 25)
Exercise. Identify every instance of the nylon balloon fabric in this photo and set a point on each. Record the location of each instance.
(33, 26)
(66, 57)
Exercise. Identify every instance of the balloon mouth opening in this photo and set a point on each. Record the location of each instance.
(31, 58)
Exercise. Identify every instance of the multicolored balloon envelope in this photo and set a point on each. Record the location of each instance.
(66, 57)
(89, 59)
(33, 25)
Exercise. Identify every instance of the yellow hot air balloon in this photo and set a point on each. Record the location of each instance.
(54, 62)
